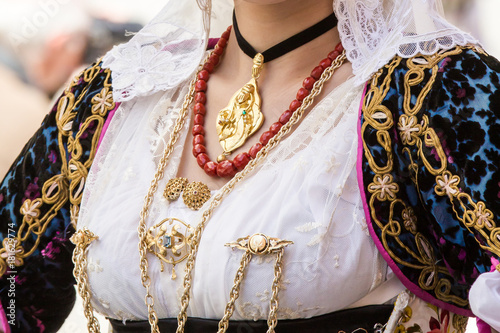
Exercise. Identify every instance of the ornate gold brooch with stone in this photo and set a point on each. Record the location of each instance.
(170, 241)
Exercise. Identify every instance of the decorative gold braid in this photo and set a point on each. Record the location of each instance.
(235, 292)
(148, 200)
(82, 239)
(217, 199)
(416, 133)
(272, 319)
(374, 112)
(69, 183)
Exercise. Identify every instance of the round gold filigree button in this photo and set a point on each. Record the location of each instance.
(258, 243)
(195, 195)
(174, 188)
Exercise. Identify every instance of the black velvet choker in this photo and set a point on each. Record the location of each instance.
(290, 44)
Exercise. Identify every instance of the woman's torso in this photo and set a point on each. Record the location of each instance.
(305, 191)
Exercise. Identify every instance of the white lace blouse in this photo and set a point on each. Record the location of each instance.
(305, 191)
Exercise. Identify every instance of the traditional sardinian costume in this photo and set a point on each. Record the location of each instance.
(388, 187)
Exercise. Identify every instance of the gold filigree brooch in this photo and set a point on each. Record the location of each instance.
(194, 194)
(170, 241)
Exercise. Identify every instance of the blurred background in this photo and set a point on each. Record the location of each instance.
(43, 43)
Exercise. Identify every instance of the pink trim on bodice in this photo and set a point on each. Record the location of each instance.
(106, 124)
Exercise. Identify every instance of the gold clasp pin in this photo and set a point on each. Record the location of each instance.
(260, 244)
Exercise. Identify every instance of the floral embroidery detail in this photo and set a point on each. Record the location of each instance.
(409, 129)
(364, 226)
(484, 216)
(129, 174)
(447, 184)
(332, 164)
(432, 130)
(410, 220)
(337, 261)
(74, 213)
(441, 325)
(145, 74)
(300, 312)
(449, 175)
(425, 249)
(12, 254)
(384, 187)
(308, 227)
(300, 163)
(264, 296)
(103, 102)
(95, 266)
(251, 311)
(30, 209)
(284, 284)
(407, 314)
(429, 319)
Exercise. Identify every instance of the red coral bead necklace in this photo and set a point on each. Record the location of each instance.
(228, 168)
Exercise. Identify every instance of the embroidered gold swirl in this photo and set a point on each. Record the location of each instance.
(419, 138)
(69, 183)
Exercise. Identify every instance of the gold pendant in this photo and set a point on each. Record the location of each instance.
(241, 117)
(170, 241)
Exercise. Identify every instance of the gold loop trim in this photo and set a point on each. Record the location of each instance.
(82, 240)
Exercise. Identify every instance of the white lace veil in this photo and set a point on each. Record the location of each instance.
(168, 50)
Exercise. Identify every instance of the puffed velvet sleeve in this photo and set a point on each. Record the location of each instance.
(467, 121)
(430, 136)
(39, 203)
